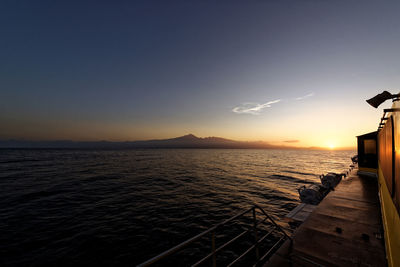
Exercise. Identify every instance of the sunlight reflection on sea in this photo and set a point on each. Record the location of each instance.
(103, 207)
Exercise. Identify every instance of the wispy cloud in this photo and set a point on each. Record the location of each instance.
(305, 96)
(253, 108)
(256, 108)
(291, 141)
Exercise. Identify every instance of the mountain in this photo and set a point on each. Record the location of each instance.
(186, 141)
(192, 141)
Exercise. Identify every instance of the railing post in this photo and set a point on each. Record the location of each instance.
(214, 257)
(255, 233)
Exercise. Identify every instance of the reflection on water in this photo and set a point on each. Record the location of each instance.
(63, 207)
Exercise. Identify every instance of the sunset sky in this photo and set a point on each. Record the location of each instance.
(285, 72)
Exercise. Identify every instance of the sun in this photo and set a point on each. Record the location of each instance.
(330, 144)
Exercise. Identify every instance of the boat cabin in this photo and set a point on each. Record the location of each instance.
(367, 154)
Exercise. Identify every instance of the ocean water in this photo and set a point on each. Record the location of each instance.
(104, 207)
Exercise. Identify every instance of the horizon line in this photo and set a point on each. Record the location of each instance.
(266, 143)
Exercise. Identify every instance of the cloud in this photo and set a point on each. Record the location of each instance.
(256, 108)
(305, 96)
(253, 108)
(291, 141)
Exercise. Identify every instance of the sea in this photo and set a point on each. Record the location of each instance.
(120, 207)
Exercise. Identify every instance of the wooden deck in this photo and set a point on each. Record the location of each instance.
(344, 230)
(300, 213)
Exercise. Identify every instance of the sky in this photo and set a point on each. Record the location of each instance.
(285, 72)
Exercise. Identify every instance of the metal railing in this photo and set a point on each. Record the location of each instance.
(255, 229)
(384, 118)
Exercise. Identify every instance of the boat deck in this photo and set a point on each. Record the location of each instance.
(345, 229)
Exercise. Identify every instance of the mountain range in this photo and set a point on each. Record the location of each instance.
(186, 141)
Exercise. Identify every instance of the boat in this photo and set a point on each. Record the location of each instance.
(379, 154)
(345, 229)
(355, 224)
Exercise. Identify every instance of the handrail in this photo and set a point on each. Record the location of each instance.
(189, 241)
(215, 250)
(252, 247)
(391, 110)
(221, 247)
(386, 110)
(272, 220)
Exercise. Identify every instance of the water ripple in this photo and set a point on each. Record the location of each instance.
(76, 207)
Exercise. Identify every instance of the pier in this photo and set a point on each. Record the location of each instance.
(345, 229)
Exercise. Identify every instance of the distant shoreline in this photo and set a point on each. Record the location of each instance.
(167, 148)
(189, 141)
